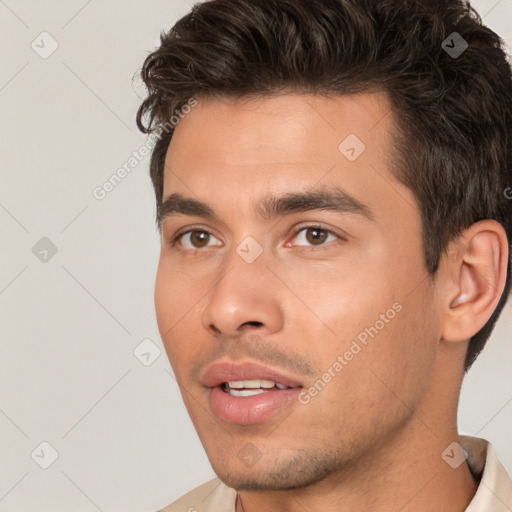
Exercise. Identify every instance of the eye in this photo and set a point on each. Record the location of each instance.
(315, 235)
(196, 238)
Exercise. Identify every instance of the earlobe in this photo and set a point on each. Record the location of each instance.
(478, 279)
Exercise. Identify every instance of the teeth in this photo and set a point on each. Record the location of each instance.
(245, 392)
(236, 384)
(252, 384)
(281, 386)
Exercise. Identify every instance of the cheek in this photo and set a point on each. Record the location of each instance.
(180, 295)
(395, 363)
(163, 301)
(175, 293)
(171, 310)
(350, 301)
(385, 331)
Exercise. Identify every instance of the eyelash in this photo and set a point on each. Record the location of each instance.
(179, 235)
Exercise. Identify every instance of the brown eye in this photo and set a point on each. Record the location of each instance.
(316, 235)
(199, 238)
(195, 239)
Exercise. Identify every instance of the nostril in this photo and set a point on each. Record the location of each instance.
(214, 329)
(256, 324)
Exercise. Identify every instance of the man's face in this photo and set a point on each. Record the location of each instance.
(334, 303)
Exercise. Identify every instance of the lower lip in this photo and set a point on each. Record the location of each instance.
(250, 409)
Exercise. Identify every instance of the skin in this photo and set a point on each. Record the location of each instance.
(372, 439)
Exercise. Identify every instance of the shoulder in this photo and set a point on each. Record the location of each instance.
(212, 496)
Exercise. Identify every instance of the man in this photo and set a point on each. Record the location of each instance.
(331, 181)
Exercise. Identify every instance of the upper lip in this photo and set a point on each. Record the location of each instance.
(220, 372)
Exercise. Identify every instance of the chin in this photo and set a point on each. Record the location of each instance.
(295, 473)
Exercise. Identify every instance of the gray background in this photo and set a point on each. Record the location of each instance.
(70, 321)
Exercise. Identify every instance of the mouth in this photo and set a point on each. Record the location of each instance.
(248, 393)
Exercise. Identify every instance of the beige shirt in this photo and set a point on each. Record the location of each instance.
(494, 493)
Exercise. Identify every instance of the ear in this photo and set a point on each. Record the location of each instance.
(477, 268)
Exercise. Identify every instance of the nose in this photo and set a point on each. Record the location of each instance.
(246, 297)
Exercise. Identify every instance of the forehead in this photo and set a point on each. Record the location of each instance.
(287, 126)
(238, 151)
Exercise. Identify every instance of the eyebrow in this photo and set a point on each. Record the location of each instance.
(331, 199)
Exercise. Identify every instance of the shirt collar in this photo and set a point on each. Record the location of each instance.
(494, 493)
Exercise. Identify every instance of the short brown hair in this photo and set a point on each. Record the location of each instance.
(454, 112)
